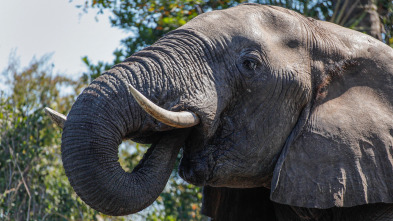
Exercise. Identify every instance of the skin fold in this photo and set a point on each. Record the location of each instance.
(295, 120)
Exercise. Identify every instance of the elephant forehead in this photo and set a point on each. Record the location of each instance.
(277, 33)
(237, 21)
(246, 19)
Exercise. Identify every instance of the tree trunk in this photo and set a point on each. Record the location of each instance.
(362, 14)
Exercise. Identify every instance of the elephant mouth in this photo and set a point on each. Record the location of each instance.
(199, 159)
(202, 154)
(197, 169)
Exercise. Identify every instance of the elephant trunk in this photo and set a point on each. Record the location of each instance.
(106, 113)
(103, 115)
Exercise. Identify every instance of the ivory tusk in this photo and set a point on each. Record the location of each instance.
(182, 119)
(58, 118)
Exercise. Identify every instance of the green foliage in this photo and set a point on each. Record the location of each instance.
(179, 201)
(385, 9)
(33, 185)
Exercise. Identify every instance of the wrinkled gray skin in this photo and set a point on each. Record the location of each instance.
(301, 107)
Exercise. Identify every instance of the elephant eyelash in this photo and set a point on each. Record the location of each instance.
(250, 60)
(250, 65)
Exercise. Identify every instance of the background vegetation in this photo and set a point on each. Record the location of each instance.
(33, 185)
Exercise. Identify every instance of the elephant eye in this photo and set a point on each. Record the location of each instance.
(250, 65)
(249, 62)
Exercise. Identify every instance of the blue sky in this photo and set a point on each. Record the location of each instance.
(38, 27)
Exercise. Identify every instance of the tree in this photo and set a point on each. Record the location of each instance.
(373, 17)
(33, 185)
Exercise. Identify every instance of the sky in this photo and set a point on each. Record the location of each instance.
(33, 28)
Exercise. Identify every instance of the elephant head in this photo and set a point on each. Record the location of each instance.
(270, 99)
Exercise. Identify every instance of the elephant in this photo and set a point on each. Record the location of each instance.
(278, 116)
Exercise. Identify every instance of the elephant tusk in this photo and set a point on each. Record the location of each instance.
(182, 119)
(58, 118)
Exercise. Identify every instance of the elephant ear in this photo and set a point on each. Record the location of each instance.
(342, 155)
